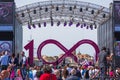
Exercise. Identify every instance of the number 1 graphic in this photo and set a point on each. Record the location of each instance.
(30, 47)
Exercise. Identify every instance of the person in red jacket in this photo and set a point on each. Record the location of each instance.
(47, 75)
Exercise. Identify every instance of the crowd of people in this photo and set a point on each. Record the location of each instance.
(12, 68)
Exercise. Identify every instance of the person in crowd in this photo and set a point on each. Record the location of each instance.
(38, 75)
(86, 75)
(4, 60)
(23, 65)
(13, 63)
(17, 59)
(91, 71)
(23, 60)
(78, 73)
(57, 73)
(60, 71)
(18, 74)
(111, 73)
(47, 75)
(4, 75)
(65, 73)
(83, 70)
(30, 74)
(109, 60)
(118, 72)
(72, 76)
(102, 61)
(96, 72)
(69, 68)
(34, 70)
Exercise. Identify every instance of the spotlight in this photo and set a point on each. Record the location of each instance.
(51, 23)
(87, 27)
(29, 27)
(40, 8)
(86, 8)
(81, 9)
(34, 11)
(104, 15)
(58, 23)
(45, 24)
(75, 6)
(39, 25)
(84, 24)
(70, 23)
(33, 25)
(70, 8)
(23, 15)
(57, 8)
(46, 9)
(81, 26)
(92, 12)
(91, 27)
(95, 26)
(78, 24)
(65, 23)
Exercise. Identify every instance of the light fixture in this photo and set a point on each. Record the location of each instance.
(86, 8)
(75, 6)
(78, 24)
(70, 8)
(95, 26)
(39, 25)
(52, 23)
(33, 25)
(92, 12)
(29, 26)
(81, 26)
(104, 15)
(46, 9)
(34, 11)
(57, 8)
(81, 9)
(58, 23)
(45, 24)
(40, 8)
(87, 27)
(84, 24)
(70, 23)
(23, 15)
(65, 23)
(91, 27)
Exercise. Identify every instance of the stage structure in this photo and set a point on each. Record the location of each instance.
(66, 12)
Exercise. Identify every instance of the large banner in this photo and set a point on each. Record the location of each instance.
(7, 25)
(116, 18)
(6, 13)
(6, 46)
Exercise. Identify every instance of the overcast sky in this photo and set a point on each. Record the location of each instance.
(67, 36)
(98, 2)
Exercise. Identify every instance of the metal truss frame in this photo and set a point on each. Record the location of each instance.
(62, 10)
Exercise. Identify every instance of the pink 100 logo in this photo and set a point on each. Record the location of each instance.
(68, 52)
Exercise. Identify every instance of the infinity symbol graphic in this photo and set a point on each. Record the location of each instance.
(68, 53)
